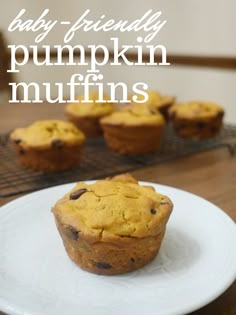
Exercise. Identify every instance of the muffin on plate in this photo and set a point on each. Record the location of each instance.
(197, 119)
(112, 226)
(134, 130)
(159, 102)
(86, 116)
(48, 145)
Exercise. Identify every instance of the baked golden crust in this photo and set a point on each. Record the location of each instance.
(158, 101)
(196, 110)
(112, 226)
(90, 109)
(41, 134)
(48, 145)
(133, 130)
(89, 125)
(197, 120)
(133, 140)
(86, 116)
(134, 115)
(49, 159)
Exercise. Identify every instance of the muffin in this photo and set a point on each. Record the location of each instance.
(112, 226)
(48, 145)
(86, 116)
(197, 120)
(159, 102)
(134, 130)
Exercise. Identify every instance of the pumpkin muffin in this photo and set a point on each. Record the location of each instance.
(112, 226)
(159, 102)
(134, 130)
(48, 145)
(86, 116)
(197, 120)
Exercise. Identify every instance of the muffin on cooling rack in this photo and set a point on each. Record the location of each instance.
(134, 130)
(197, 119)
(159, 102)
(112, 226)
(48, 145)
(86, 116)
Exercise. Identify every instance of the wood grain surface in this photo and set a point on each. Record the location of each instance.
(220, 62)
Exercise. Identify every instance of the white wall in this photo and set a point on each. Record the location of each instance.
(203, 27)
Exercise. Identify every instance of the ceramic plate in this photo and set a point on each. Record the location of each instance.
(196, 263)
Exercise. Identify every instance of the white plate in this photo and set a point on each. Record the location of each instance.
(196, 263)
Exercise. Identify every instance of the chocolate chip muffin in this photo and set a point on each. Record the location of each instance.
(159, 102)
(86, 116)
(134, 130)
(197, 120)
(112, 226)
(48, 145)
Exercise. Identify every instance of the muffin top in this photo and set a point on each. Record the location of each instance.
(195, 109)
(94, 109)
(134, 115)
(47, 133)
(155, 99)
(114, 207)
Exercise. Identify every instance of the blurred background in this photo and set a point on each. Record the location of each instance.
(194, 28)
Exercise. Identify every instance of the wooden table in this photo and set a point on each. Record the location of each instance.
(211, 175)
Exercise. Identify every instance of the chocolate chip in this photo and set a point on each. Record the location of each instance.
(164, 203)
(201, 124)
(17, 141)
(72, 233)
(77, 193)
(22, 151)
(103, 265)
(57, 143)
(153, 211)
(132, 259)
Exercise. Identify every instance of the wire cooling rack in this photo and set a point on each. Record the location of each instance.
(98, 161)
